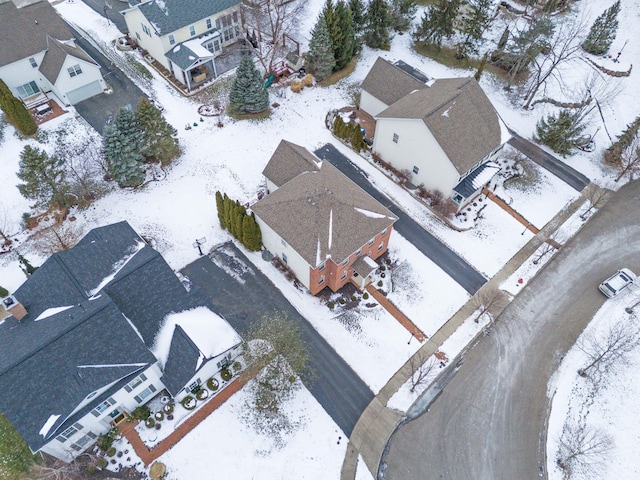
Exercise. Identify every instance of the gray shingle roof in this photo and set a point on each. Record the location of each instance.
(458, 114)
(22, 37)
(183, 56)
(288, 161)
(321, 213)
(389, 83)
(56, 55)
(41, 362)
(167, 16)
(182, 362)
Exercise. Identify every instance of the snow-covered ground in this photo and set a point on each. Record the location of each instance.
(181, 207)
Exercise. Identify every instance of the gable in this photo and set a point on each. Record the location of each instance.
(57, 54)
(288, 161)
(388, 83)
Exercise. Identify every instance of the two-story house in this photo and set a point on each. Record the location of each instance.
(323, 226)
(185, 36)
(444, 132)
(38, 56)
(95, 332)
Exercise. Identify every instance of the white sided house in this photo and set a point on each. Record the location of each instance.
(97, 331)
(325, 228)
(38, 56)
(185, 36)
(444, 132)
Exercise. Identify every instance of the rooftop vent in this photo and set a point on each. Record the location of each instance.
(14, 307)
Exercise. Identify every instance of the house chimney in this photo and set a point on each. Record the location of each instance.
(14, 307)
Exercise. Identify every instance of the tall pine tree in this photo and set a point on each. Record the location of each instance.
(251, 234)
(43, 177)
(220, 208)
(345, 51)
(320, 54)
(603, 31)
(123, 142)
(248, 94)
(160, 138)
(402, 13)
(15, 111)
(359, 16)
(561, 132)
(378, 24)
(437, 23)
(475, 22)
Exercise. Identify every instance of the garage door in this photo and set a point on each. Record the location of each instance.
(82, 93)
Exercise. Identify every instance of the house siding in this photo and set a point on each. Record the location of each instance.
(333, 271)
(371, 104)
(20, 72)
(416, 146)
(65, 83)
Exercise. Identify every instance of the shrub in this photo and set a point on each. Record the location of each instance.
(388, 261)
(212, 384)
(168, 408)
(365, 295)
(111, 452)
(101, 463)
(3, 292)
(342, 301)
(150, 422)
(379, 283)
(105, 441)
(382, 275)
(331, 304)
(353, 298)
(140, 413)
(237, 366)
(188, 402)
(159, 416)
(226, 374)
(382, 268)
(202, 394)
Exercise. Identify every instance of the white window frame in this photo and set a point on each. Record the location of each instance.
(396, 138)
(192, 30)
(381, 245)
(384, 232)
(135, 382)
(22, 91)
(103, 407)
(416, 169)
(74, 70)
(322, 266)
(321, 280)
(145, 29)
(209, 24)
(144, 394)
(172, 39)
(343, 276)
(33, 62)
(69, 432)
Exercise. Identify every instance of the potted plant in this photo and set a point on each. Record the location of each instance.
(212, 384)
(188, 402)
(202, 394)
(226, 374)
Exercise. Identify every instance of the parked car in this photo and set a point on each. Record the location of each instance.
(618, 282)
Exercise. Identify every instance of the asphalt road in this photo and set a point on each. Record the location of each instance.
(569, 175)
(99, 109)
(458, 269)
(489, 423)
(241, 293)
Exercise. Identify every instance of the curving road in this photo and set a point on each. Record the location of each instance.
(489, 422)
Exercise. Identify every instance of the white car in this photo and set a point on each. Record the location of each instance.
(618, 282)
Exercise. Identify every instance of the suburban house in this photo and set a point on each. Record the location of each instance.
(185, 37)
(95, 332)
(445, 133)
(38, 56)
(323, 226)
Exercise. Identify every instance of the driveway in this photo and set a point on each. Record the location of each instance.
(242, 293)
(457, 268)
(489, 422)
(97, 110)
(564, 172)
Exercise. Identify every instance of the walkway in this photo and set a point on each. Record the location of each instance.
(439, 253)
(396, 313)
(564, 172)
(378, 422)
(507, 208)
(149, 455)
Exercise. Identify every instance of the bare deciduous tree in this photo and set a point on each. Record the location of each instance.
(422, 369)
(545, 249)
(266, 22)
(484, 300)
(5, 225)
(58, 238)
(596, 197)
(582, 449)
(629, 159)
(606, 349)
(84, 163)
(55, 469)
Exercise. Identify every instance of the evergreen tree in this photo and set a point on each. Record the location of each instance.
(220, 208)
(43, 177)
(251, 235)
(344, 51)
(331, 20)
(160, 138)
(320, 54)
(123, 142)
(3, 292)
(357, 139)
(401, 13)
(15, 111)
(248, 94)
(359, 16)
(28, 267)
(378, 24)
(437, 23)
(339, 127)
(228, 205)
(474, 24)
(562, 132)
(603, 31)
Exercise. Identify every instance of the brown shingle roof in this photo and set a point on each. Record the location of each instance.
(321, 214)
(388, 83)
(56, 55)
(458, 114)
(288, 161)
(22, 37)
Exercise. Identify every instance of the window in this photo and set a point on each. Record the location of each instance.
(384, 232)
(321, 267)
(212, 45)
(172, 39)
(100, 409)
(69, 432)
(82, 441)
(28, 89)
(284, 257)
(381, 245)
(284, 244)
(74, 70)
(33, 62)
(371, 241)
(321, 280)
(135, 382)
(226, 25)
(457, 198)
(145, 29)
(138, 35)
(415, 169)
(144, 394)
(346, 261)
(358, 252)
(395, 138)
(344, 275)
(192, 30)
(208, 24)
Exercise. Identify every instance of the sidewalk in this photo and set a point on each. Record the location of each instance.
(376, 424)
(149, 455)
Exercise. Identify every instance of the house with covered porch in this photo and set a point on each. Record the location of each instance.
(185, 37)
(325, 228)
(98, 330)
(444, 133)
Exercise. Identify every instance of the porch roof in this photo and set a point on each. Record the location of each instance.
(186, 54)
(476, 179)
(364, 265)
